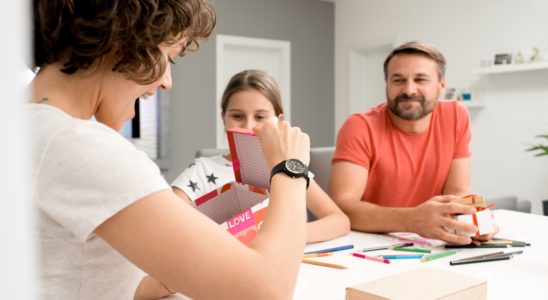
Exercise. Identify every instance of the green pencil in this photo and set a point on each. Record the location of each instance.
(438, 255)
(410, 249)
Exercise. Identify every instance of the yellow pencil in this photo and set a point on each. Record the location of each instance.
(498, 242)
(317, 254)
(319, 263)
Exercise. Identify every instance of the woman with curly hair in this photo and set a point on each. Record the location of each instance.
(105, 213)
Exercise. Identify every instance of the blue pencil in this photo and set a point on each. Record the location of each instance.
(402, 256)
(340, 248)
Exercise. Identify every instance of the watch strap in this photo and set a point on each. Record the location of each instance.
(281, 167)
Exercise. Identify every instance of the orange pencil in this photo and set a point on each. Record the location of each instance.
(317, 254)
(319, 263)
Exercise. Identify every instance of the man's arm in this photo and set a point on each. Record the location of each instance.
(458, 179)
(347, 185)
(458, 183)
(430, 219)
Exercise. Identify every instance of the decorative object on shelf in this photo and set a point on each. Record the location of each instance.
(535, 55)
(503, 59)
(541, 149)
(466, 96)
(500, 69)
(450, 94)
(519, 58)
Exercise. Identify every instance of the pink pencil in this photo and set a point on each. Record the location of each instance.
(373, 258)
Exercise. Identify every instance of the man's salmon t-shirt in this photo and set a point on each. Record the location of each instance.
(404, 170)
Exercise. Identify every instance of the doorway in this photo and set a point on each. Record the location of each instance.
(367, 86)
(236, 53)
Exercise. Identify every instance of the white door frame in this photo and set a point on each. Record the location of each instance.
(281, 52)
(357, 58)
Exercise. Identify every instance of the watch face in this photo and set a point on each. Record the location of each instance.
(295, 166)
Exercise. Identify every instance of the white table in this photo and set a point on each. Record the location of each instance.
(523, 277)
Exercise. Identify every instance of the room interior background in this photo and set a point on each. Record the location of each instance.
(325, 36)
(332, 40)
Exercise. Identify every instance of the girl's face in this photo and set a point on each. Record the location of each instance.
(248, 109)
(118, 94)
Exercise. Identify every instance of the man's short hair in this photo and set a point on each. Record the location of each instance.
(419, 48)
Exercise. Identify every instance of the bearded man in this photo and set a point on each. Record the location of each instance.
(397, 166)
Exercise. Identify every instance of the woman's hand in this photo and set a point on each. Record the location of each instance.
(280, 142)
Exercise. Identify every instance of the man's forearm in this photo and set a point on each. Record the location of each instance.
(370, 217)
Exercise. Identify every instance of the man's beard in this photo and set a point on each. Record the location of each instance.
(409, 112)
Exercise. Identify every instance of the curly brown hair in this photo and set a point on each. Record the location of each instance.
(77, 33)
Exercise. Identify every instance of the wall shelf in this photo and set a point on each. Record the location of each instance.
(472, 104)
(500, 69)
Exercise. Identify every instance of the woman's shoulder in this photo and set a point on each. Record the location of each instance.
(62, 137)
(49, 121)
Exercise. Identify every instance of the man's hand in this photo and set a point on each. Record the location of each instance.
(434, 219)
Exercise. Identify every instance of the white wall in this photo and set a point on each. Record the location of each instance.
(17, 259)
(468, 31)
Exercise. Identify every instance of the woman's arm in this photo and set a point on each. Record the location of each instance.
(181, 247)
(183, 196)
(331, 221)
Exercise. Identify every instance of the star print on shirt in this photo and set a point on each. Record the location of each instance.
(212, 178)
(193, 185)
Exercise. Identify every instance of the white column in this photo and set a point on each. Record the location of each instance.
(18, 267)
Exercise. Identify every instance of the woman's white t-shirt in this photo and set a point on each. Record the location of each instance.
(84, 173)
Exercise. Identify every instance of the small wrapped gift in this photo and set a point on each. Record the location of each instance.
(482, 219)
(474, 200)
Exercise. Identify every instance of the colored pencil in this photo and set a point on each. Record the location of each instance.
(514, 242)
(512, 253)
(410, 249)
(501, 242)
(473, 261)
(438, 255)
(491, 255)
(482, 255)
(323, 264)
(386, 247)
(401, 256)
(317, 254)
(340, 248)
(373, 258)
(475, 246)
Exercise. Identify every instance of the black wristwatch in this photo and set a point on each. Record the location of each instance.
(294, 168)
